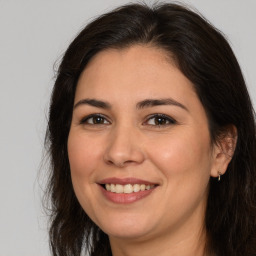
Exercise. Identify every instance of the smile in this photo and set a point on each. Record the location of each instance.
(128, 188)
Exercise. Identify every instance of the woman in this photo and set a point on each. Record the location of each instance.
(152, 140)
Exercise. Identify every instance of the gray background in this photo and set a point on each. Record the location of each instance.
(34, 34)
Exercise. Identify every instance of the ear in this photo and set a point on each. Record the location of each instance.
(223, 150)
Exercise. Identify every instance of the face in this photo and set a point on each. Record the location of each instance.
(139, 145)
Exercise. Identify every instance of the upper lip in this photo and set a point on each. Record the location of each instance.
(124, 181)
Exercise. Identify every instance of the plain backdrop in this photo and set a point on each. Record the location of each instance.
(33, 35)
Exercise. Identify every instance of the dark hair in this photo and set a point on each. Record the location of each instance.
(203, 55)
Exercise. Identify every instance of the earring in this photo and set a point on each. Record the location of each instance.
(219, 173)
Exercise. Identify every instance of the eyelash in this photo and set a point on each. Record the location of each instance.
(168, 120)
(85, 119)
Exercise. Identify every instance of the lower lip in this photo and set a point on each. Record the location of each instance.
(123, 198)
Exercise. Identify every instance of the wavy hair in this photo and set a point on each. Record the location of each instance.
(204, 56)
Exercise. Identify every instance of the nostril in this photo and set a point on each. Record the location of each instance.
(122, 151)
(110, 162)
(119, 164)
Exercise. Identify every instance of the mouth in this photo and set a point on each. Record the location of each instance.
(127, 188)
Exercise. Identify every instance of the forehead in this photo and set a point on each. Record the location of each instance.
(135, 69)
(136, 56)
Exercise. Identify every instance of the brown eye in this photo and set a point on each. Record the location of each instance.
(95, 120)
(160, 120)
(98, 120)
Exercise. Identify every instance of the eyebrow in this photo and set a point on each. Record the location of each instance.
(94, 103)
(159, 102)
(140, 105)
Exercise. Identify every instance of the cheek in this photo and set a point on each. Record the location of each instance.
(185, 164)
(83, 155)
(182, 155)
(83, 159)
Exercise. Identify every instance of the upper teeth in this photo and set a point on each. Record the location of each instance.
(128, 188)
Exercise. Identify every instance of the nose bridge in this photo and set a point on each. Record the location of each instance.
(124, 146)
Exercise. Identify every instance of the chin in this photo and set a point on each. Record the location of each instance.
(127, 228)
(129, 233)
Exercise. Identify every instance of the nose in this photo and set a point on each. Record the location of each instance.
(124, 148)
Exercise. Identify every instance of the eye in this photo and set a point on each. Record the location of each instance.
(95, 119)
(159, 120)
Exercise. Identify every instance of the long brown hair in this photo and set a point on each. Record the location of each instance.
(203, 55)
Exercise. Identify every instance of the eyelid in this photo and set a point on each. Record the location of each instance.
(86, 118)
(168, 118)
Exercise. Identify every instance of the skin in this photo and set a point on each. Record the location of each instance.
(177, 155)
